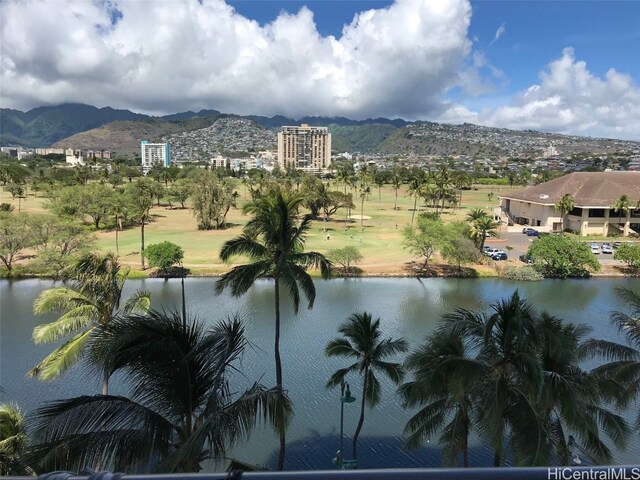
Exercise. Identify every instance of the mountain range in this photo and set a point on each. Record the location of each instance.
(204, 133)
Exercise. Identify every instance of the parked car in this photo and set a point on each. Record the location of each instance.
(533, 233)
(491, 251)
(595, 248)
(606, 248)
(500, 256)
(616, 244)
(526, 258)
(526, 229)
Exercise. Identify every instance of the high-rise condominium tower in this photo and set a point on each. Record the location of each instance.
(304, 148)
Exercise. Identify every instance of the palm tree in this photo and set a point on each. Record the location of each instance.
(461, 180)
(507, 375)
(482, 228)
(364, 191)
(13, 441)
(181, 411)
(624, 368)
(622, 206)
(476, 214)
(275, 243)
(414, 190)
(93, 299)
(362, 342)
(141, 194)
(571, 399)
(564, 206)
(444, 376)
(396, 183)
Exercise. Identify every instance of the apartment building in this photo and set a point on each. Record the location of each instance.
(151, 153)
(304, 148)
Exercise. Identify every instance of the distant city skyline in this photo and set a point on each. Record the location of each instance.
(566, 67)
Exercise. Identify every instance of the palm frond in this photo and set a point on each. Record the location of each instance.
(338, 376)
(243, 245)
(75, 319)
(139, 302)
(62, 358)
(340, 347)
(59, 299)
(241, 278)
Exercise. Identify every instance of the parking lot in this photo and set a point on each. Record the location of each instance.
(519, 242)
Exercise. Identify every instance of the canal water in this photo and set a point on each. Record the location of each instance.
(407, 307)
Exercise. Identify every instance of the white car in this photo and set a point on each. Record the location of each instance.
(607, 249)
(595, 248)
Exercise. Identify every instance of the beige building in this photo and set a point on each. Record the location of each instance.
(304, 148)
(594, 194)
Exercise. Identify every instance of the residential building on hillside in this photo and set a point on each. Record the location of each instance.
(304, 148)
(151, 153)
(594, 195)
(73, 157)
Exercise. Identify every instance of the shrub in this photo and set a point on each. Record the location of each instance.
(164, 255)
(527, 274)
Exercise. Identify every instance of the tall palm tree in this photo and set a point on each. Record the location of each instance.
(564, 206)
(396, 183)
(361, 340)
(141, 195)
(622, 206)
(414, 190)
(507, 376)
(624, 368)
(364, 191)
(274, 241)
(444, 377)
(476, 214)
(92, 299)
(572, 400)
(461, 180)
(181, 410)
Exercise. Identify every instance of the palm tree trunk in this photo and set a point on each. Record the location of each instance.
(496, 458)
(354, 443)
(117, 244)
(105, 382)
(279, 373)
(415, 205)
(465, 452)
(362, 215)
(142, 243)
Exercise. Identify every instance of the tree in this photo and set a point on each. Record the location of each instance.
(504, 374)
(415, 190)
(361, 341)
(396, 183)
(622, 206)
(181, 412)
(572, 400)
(443, 392)
(16, 191)
(17, 233)
(564, 207)
(460, 250)
(97, 203)
(13, 442)
(212, 199)
(364, 191)
(629, 254)
(180, 191)
(164, 255)
(476, 214)
(92, 299)
(560, 256)
(481, 229)
(61, 242)
(274, 242)
(140, 199)
(428, 237)
(346, 257)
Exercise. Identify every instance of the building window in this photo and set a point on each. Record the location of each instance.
(596, 213)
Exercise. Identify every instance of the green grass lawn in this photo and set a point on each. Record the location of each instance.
(380, 242)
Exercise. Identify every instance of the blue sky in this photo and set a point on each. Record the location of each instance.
(569, 66)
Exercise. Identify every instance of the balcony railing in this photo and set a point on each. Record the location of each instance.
(628, 472)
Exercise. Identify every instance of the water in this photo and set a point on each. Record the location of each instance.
(408, 308)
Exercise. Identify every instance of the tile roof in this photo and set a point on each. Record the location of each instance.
(588, 189)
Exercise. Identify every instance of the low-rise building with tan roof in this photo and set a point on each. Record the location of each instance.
(594, 195)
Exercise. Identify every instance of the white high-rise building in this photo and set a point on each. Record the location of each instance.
(151, 153)
(304, 148)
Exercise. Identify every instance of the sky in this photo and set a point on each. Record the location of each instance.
(569, 67)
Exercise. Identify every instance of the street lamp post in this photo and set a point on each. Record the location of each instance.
(345, 397)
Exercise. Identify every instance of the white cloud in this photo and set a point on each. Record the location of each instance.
(499, 32)
(570, 99)
(168, 56)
